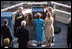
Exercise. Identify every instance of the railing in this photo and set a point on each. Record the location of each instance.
(12, 7)
(61, 15)
(59, 4)
(22, 5)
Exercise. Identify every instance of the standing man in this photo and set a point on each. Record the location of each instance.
(69, 34)
(5, 31)
(51, 10)
(18, 18)
(23, 35)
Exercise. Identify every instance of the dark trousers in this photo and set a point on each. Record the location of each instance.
(23, 45)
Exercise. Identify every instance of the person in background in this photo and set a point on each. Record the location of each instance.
(47, 8)
(52, 13)
(69, 34)
(25, 16)
(39, 29)
(18, 18)
(49, 29)
(6, 43)
(31, 28)
(23, 35)
(6, 31)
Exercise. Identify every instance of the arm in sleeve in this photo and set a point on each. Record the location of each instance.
(43, 24)
(16, 33)
(10, 33)
(54, 18)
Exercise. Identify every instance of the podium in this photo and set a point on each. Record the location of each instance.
(39, 9)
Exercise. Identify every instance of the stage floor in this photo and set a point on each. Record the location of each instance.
(60, 39)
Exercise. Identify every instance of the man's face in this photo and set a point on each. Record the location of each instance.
(20, 10)
(7, 23)
(46, 6)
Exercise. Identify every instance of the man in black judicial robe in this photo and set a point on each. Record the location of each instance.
(18, 18)
(23, 35)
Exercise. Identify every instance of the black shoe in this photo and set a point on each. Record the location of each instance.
(38, 44)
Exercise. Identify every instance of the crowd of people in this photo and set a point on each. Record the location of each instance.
(37, 28)
(28, 29)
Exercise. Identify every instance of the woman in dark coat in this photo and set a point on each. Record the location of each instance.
(31, 29)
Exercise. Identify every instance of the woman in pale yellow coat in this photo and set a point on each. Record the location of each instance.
(49, 29)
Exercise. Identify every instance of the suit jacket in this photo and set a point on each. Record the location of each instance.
(23, 37)
(6, 32)
(69, 34)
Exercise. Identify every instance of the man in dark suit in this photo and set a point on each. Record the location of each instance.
(18, 18)
(69, 34)
(22, 35)
(5, 31)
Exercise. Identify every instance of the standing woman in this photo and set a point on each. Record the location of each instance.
(31, 29)
(39, 29)
(49, 29)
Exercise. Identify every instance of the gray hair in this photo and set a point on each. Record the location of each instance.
(23, 23)
(50, 8)
(21, 8)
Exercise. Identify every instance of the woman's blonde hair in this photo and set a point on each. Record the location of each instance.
(48, 15)
(20, 8)
(6, 41)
